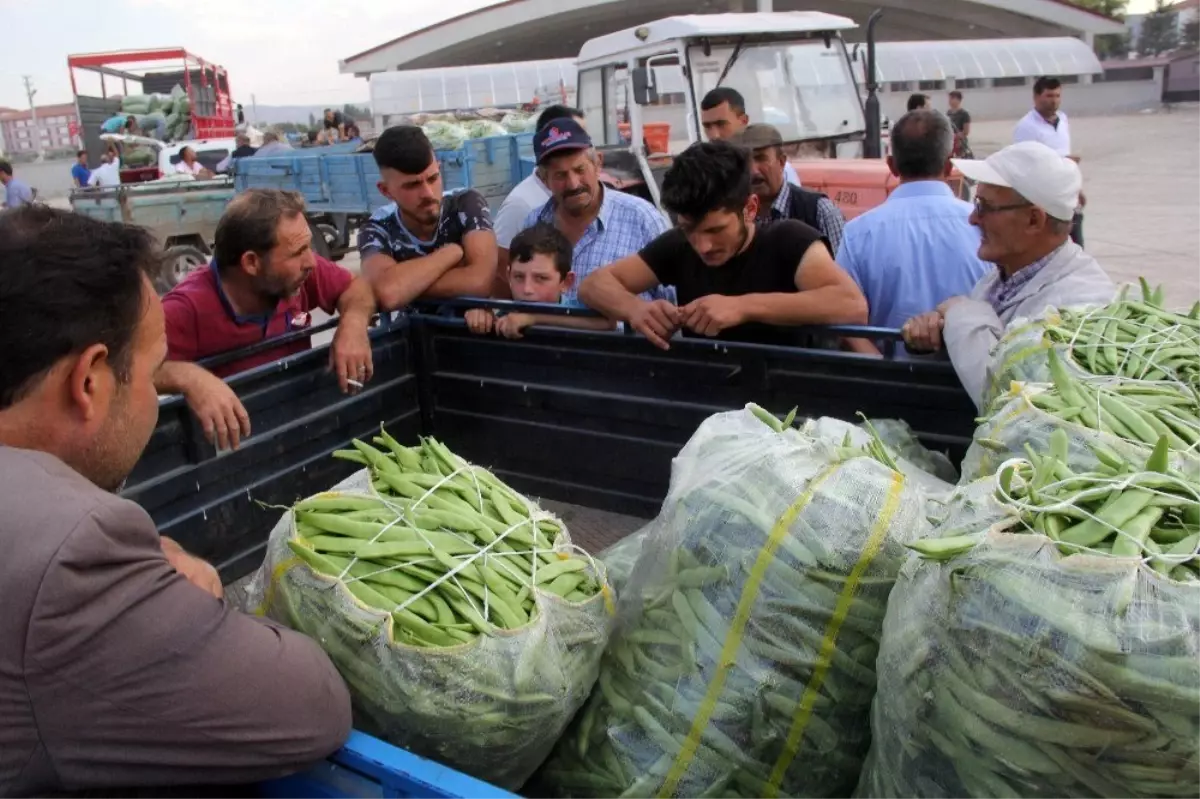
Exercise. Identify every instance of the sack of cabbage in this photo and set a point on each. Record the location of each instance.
(467, 626)
(1047, 642)
(744, 664)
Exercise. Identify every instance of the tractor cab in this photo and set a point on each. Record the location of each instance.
(641, 90)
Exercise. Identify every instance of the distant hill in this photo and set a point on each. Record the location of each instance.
(278, 114)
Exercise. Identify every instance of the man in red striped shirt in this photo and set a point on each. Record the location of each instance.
(264, 281)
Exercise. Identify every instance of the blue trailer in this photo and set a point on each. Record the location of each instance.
(339, 184)
(369, 767)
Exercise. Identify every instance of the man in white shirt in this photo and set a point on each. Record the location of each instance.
(190, 165)
(1048, 124)
(529, 194)
(108, 173)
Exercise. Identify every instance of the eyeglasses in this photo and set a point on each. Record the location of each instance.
(983, 207)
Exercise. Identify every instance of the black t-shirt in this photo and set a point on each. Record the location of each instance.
(767, 266)
(960, 119)
(338, 119)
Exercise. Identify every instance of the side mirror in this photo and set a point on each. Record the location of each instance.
(644, 90)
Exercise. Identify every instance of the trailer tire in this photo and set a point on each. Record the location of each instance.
(324, 236)
(177, 263)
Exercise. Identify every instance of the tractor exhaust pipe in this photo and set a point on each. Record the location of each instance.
(873, 144)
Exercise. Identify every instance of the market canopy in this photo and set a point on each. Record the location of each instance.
(519, 30)
(981, 58)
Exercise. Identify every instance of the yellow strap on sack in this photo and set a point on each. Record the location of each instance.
(737, 628)
(825, 654)
(276, 575)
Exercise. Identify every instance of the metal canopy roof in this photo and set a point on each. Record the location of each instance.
(982, 58)
(420, 90)
(517, 30)
(714, 25)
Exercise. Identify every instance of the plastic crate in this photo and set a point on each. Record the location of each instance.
(368, 767)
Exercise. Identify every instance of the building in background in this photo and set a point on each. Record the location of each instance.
(57, 126)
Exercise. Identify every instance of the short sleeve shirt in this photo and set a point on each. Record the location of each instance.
(462, 212)
(201, 321)
(80, 174)
(767, 266)
(960, 118)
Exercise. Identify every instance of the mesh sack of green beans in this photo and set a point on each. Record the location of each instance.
(1103, 420)
(457, 634)
(744, 662)
(1047, 641)
(1129, 338)
(931, 471)
(620, 558)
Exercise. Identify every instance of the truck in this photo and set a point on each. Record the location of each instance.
(157, 71)
(339, 183)
(182, 213)
(588, 418)
(641, 88)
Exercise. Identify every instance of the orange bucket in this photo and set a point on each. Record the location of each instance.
(657, 135)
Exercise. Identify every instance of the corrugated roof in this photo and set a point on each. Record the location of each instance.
(982, 58)
(43, 111)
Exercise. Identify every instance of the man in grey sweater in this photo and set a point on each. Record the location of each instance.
(121, 666)
(1025, 201)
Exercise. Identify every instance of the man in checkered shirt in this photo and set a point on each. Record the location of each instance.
(602, 224)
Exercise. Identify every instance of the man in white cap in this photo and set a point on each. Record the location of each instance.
(1026, 198)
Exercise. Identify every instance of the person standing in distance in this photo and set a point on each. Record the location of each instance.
(723, 116)
(961, 119)
(16, 191)
(1047, 123)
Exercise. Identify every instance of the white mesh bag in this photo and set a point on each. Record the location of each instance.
(492, 708)
(744, 661)
(1013, 669)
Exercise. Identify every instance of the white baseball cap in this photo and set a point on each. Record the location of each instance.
(1033, 170)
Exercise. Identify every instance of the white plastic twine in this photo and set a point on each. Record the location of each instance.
(1103, 487)
(1167, 335)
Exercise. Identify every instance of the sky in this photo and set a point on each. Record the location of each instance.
(285, 52)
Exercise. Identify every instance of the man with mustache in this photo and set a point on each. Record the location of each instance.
(736, 280)
(778, 199)
(602, 224)
(424, 244)
(264, 281)
(1025, 199)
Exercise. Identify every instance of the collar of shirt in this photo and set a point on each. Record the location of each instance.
(263, 320)
(782, 204)
(921, 188)
(1004, 289)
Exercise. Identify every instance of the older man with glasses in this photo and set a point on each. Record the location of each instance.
(1026, 199)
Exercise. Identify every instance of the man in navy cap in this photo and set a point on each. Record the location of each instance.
(602, 224)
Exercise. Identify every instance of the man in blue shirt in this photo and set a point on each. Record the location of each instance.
(80, 172)
(16, 191)
(603, 225)
(918, 248)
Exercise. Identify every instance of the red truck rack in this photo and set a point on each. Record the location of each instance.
(205, 83)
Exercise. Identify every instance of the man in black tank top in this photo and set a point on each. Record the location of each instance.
(735, 280)
(779, 199)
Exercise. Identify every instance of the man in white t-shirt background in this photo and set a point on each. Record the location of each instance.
(527, 195)
(1048, 124)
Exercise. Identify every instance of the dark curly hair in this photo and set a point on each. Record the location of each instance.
(404, 148)
(706, 177)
